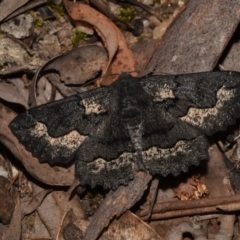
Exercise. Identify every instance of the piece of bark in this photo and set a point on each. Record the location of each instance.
(116, 203)
(141, 51)
(230, 60)
(196, 39)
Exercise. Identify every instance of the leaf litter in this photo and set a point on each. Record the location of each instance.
(43, 66)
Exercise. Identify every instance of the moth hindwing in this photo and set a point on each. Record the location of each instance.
(157, 123)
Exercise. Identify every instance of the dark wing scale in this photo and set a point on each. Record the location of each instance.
(99, 161)
(207, 93)
(65, 115)
(101, 158)
(177, 159)
(218, 102)
(95, 170)
(180, 110)
(53, 132)
(215, 98)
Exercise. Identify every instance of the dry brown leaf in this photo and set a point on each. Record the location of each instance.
(79, 65)
(30, 206)
(75, 67)
(7, 201)
(44, 90)
(56, 204)
(129, 226)
(13, 232)
(217, 176)
(7, 7)
(14, 92)
(72, 227)
(33, 228)
(45, 173)
(110, 34)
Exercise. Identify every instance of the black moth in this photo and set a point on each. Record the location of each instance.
(157, 123)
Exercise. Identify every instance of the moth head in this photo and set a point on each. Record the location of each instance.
(132, 99)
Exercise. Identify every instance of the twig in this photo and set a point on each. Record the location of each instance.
(191, 207)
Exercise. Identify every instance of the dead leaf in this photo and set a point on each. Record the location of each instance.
(217, 174)
(33, 228)
(44, 91)
(14, 91)
(129, 226)
(110, 34)
(13, 232)
(75, 67)
(56, 205)
(79, 65)
(7, 201)
(65, 91)
(30, 206)
(72, 227)
(7, 7)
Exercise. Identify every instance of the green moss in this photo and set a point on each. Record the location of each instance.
(78, 37)
(126, 14)
(59, 10)
(139, 39)
(38, 23)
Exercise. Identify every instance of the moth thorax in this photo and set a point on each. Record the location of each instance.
(135, 133)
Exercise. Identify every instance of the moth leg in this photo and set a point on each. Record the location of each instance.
(152, 196)
(135, 133)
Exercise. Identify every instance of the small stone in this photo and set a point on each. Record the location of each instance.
(19, 27)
